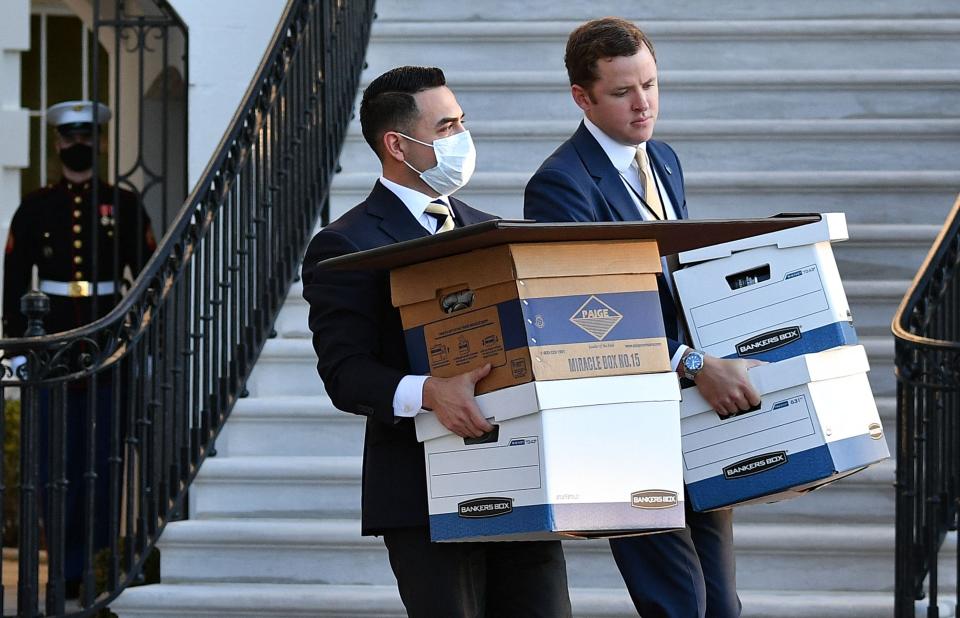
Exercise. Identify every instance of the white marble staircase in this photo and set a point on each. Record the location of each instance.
(773, 106)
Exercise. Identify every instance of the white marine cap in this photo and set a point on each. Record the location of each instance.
(76, 116)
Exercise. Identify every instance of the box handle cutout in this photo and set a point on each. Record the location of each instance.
(748, 277)
(491, 436)
(739, 412)
(456, 301)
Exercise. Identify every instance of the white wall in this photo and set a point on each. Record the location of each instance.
(14, 121)
(227, 40)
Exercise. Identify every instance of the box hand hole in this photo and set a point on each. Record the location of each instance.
(739, 412)
(746, 278)
(491, 436)
(456, 301)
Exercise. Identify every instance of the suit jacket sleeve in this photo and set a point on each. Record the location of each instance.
(347, 317)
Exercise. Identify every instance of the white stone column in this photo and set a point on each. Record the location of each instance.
(14, 120)
(227, 40)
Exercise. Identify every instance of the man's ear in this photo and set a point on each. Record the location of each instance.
(581, 97)
(391, 145)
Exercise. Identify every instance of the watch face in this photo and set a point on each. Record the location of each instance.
(693, 362)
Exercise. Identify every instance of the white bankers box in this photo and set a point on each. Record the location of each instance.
(817, 423)
(577, 458)
(768, 297)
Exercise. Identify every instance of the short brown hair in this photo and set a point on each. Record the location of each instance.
(607, 37)
(388, 103)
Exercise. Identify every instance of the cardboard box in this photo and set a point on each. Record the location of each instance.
(817, 422)
(769, 297)
(585, 458)
(535, 311)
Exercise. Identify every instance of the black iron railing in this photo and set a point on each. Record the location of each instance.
(136, 399)
(927, 333)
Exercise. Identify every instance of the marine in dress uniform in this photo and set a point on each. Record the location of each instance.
(80, 241)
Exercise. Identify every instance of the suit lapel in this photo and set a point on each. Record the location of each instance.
(464, 215)
(607, 177)
(395, 219)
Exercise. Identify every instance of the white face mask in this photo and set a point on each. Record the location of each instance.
(456, 160)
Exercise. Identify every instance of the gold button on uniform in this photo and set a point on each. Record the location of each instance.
(76, 228)
(77, 244)
(78, 275)
(77, 200)
(77, 259)
(76, 214)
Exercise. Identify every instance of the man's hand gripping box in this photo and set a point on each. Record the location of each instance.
(584, 458)
(817, 423)
(768, 297)
(534, 311)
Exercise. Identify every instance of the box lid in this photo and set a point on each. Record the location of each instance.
(671, 236)
(529, 398)
(790, 372)
(485, 267)
(832, 226)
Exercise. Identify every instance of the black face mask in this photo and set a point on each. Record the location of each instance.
(78, 157)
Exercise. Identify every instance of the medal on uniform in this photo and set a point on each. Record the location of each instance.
(106, 215)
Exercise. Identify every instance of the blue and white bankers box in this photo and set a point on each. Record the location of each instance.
(580, 458)
(768, 297)
(817, 423)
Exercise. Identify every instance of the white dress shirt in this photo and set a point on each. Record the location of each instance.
(623, 158)
(408, 398)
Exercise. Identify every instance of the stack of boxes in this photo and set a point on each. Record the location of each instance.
(585, 408)
(778, 298)
(590, 437)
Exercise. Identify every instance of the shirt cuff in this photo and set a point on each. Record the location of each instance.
(674, 362)
(408, 398)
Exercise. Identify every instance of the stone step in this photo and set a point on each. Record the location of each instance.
(302, 487)
(884, 252)
(286, 368)
(538, 10)
(865, 497)
(687, 44)
(363, 601)
(291, 426)
(706, 146)
(723, 94)
(866, 196)
(873, 302)
(819, 556)
(277, 487)
(309, 426)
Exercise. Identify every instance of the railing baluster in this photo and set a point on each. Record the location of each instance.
(926, 328)
(170, 361)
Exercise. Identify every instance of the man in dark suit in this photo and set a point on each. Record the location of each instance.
(611, 170)
(414, 124)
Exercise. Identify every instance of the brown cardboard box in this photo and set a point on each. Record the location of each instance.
(541, 311)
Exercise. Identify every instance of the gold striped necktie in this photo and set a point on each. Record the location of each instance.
(650, 194)
(441, 212)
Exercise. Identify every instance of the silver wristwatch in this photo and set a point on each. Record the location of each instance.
(692, 364)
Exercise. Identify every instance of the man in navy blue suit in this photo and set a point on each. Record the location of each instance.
(611, 170)
(414, 124)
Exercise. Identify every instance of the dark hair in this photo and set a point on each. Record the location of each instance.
(607, 37)
(388, 103)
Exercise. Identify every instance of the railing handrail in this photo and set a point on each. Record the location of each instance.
(117, 416)
(914, 294)
(167, 245)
